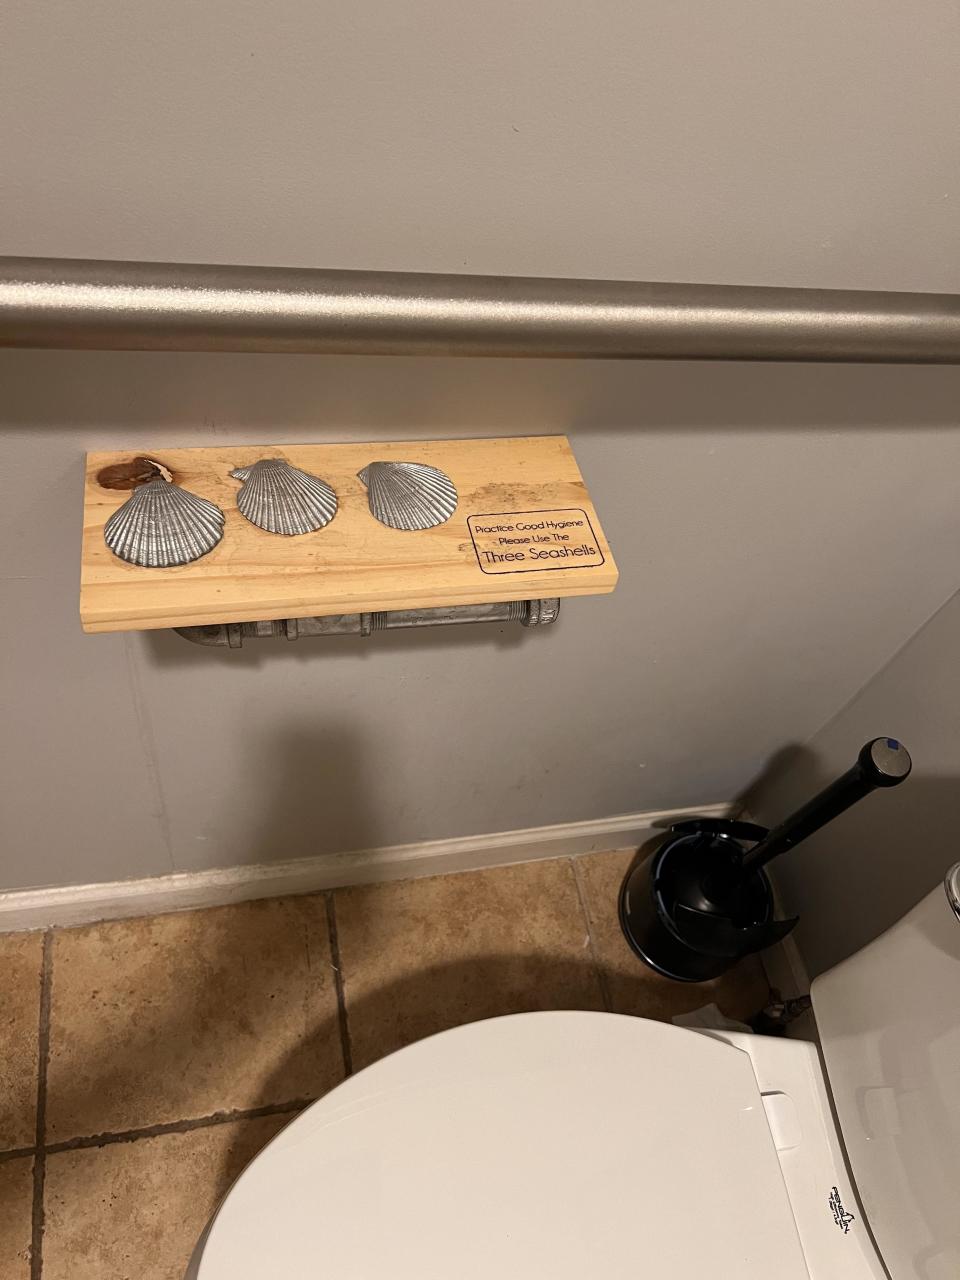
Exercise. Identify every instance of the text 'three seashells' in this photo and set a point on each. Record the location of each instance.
(284, 499)
(161, 525)
(408, 495)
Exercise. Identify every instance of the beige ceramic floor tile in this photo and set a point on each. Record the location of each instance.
(182, 1016)
(135, 1210)
(632, 986)
(21, 955)
(16, 1206)
(419, 956)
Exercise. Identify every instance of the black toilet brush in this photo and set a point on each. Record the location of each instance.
(702, 901)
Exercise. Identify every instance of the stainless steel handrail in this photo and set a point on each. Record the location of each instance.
(144, 306)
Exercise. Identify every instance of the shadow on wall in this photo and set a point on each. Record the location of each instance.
(317, 787)
(866, 869)
(317, 763)
(196, 398)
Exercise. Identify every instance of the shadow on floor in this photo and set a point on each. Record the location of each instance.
(507, 985)
(319, 804)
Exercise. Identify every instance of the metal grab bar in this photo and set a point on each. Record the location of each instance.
(144, 306)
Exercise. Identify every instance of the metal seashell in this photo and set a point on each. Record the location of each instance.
(408, 495)
(284, 499)
(161, 525)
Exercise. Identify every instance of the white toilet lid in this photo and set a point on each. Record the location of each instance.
(544, 1146)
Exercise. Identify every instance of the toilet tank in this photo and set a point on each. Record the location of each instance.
(889, 1022)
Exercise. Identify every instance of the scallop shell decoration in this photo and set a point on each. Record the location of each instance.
(284, 499)
(408, 495)
(161, 525)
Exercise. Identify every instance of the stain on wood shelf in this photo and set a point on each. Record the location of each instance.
(525, 527)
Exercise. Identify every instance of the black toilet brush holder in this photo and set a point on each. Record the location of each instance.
(703, 901)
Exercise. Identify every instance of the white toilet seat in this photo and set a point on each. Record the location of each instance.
(546, 1146)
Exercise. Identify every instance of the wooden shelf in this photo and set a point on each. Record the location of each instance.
(524, 528)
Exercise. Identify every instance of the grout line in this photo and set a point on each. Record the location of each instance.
(16, 1153)
(345, 1045)
(43, 1059)
(176, 1126)
(598, 968)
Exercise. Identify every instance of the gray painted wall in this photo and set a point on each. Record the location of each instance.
(868, 868)
(780, 531)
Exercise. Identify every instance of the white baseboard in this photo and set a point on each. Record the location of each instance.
(87, 903)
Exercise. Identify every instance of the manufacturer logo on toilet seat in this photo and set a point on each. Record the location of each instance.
(840, 1215)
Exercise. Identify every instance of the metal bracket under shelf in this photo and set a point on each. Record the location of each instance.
(529, 613)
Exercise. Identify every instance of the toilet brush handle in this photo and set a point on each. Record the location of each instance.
(882, 762)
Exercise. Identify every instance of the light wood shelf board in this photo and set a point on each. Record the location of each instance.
(356, 564)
